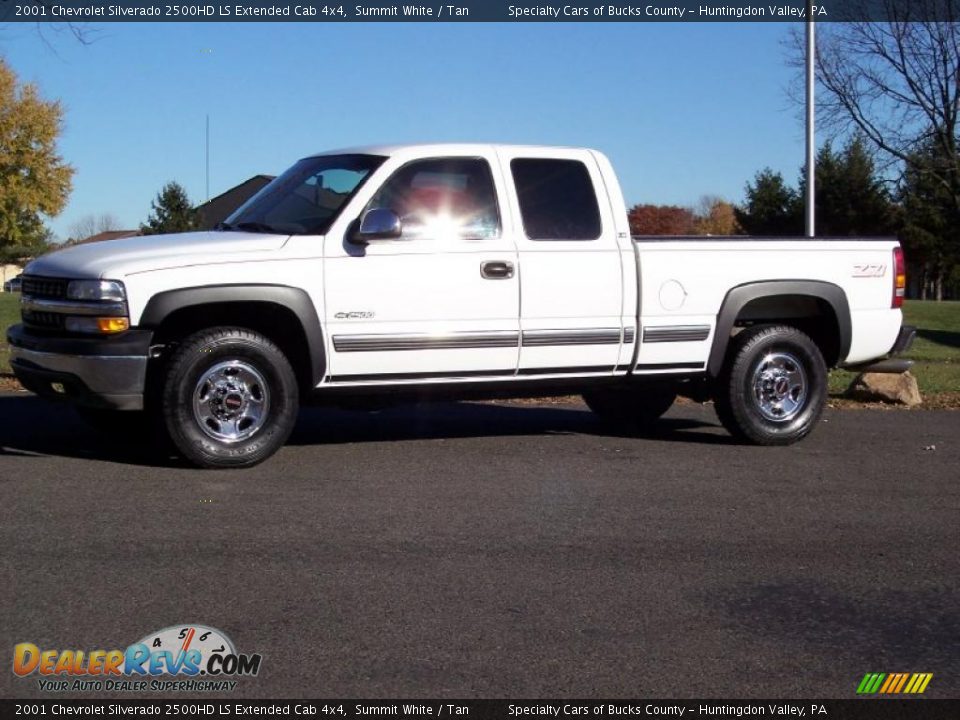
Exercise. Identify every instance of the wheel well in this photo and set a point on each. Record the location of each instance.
(276, 322)
(813, 315)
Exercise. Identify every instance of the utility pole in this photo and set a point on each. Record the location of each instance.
(208, 157)
(811, 146)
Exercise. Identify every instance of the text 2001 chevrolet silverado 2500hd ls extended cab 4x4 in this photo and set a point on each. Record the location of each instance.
(472, 270)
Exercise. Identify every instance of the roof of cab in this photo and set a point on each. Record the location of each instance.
(438, 148)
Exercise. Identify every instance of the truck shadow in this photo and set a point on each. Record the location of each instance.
(940, 337)
(32, 426)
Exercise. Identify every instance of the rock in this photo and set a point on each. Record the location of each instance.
(886, 387)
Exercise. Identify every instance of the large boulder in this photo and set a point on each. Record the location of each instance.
(886, 387)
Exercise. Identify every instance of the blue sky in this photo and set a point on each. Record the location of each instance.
(681, 110)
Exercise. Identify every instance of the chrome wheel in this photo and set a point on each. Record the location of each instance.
(779, 386)
(231, 401)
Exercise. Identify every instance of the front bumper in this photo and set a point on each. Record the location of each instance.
(96, 372)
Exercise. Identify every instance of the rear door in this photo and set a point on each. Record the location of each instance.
(570, 263)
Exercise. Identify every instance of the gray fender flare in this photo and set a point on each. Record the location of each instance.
(738, 297)
(161, 305)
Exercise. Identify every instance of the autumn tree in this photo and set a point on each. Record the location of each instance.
(172, 212)
(35, 182)
(648, 219)
(716, 216)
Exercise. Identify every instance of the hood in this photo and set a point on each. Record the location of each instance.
(116, 258)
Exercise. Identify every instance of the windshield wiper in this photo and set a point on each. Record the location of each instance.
(253, 226)
(223, 226)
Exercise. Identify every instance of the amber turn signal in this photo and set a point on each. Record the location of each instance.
(113, 324)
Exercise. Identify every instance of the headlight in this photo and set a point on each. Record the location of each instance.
(96, 290)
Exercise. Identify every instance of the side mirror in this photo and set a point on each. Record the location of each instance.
(378, 224)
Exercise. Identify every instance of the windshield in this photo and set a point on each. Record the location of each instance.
(307, 198)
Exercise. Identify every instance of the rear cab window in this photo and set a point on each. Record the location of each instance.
(557, 199)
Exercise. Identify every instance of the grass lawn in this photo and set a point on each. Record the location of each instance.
(936, 350)
(9, 315)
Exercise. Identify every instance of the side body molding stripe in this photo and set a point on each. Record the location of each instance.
(424, 341)
(294, 299)
(739, 296)
(676, 333)
(585, 336)
(467, 340)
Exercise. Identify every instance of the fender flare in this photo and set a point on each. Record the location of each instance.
(161, 305)
(738, 297)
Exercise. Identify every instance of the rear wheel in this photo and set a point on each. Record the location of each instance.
(230, 398)
(630, 407)
(774, 387)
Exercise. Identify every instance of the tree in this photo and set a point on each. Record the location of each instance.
(660, 220)
(772, 206)
(851, 198)
(898, 84)
(90, 225)
(172, 212)
(715, 216)
(34, 180)
(929, 237)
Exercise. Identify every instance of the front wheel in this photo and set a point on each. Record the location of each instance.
(774, 387)
(230, 398)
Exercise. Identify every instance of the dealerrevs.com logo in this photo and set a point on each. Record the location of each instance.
(198, 657)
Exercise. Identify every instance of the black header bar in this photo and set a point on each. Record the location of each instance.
(332, 11)
(865, 709)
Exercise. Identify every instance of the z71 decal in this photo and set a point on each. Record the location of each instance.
(861, 270)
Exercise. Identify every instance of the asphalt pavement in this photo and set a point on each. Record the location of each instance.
(499, 551)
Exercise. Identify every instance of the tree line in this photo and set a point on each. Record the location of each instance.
(851, 199)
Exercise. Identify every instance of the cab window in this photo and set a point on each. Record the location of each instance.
(557, 199)
(442, 199)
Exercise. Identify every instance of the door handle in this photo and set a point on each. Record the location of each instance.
(496, 270)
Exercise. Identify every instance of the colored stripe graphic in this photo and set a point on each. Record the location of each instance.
(903, 679)
(894, 683)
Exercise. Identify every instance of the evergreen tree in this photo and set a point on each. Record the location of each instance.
(772, 207)
(172, 212)
(851, 197)
(931, 228)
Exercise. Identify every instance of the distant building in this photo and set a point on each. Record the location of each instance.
(218, 209)
(9, 272)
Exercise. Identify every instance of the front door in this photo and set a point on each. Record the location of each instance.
(441, 301)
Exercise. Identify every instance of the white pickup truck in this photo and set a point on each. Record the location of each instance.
(373, 274)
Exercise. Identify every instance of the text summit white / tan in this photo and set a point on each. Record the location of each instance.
(362, 277)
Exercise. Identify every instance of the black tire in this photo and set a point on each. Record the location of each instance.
(230, 398)
(774, 386)
(635, 408)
